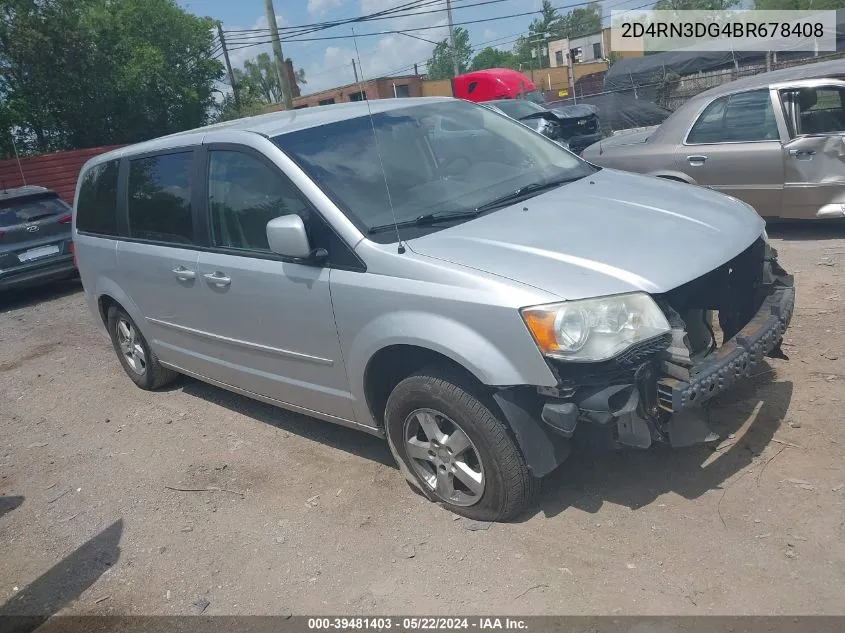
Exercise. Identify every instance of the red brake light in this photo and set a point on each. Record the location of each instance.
(67, 218)
(73, 252)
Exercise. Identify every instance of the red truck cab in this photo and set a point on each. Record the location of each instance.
(494, 83)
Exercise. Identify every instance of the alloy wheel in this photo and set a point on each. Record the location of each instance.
(444, 457)
(130, 346)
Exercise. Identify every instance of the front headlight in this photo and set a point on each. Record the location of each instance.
(594, 329)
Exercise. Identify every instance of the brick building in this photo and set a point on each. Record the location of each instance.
(381, 88)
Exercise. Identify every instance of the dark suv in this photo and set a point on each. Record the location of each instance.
(35, 237)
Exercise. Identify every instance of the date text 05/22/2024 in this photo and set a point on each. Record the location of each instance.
(416, 624)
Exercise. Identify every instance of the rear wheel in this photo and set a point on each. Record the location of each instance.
(137, 359)
(455, 449)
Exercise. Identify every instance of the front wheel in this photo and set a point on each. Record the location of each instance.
(455, 449)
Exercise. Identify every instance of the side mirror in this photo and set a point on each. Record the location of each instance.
(286, 236)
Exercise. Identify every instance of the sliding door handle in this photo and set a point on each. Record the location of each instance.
(184, 274)
(218, 279)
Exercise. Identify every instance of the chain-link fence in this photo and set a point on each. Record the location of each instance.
(650, 99)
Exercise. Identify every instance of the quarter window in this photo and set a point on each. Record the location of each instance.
(244, 194)
(96, 209)
(160, 198)
(743, 117)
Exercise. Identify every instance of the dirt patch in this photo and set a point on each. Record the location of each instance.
(195, 497)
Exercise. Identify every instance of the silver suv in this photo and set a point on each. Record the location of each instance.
(433, 272)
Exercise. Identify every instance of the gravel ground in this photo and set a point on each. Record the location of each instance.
(283, 514)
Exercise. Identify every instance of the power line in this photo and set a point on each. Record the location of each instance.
(295, 37)
(393, 12)
(509, 39)
(403, 31)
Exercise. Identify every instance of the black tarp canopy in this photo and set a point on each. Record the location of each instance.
(619, 111)
(648, 71)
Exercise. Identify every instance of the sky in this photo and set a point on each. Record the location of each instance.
(328, 63)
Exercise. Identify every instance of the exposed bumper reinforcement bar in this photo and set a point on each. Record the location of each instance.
(735, 359)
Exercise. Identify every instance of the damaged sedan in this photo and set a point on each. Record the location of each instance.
(435, 274)
(774, 140)
(575, 125)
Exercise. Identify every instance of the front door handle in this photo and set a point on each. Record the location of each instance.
(218, 279)
(802, 153)
(696, 160)
(184, 274)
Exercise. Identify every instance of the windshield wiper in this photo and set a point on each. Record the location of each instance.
(426, 219)
(433, 218)
(525, 191)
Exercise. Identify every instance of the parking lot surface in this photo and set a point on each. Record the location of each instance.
(114, 500)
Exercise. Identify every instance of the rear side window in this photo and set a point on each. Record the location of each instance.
(742, 117)
(96, 209)
(160, 189)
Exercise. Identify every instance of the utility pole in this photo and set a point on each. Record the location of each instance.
(355, 70)
(281, 71)
(455, 68)
(228, 63)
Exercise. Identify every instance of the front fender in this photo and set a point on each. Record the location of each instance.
(478, 354)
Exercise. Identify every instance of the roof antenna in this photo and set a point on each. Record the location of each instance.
(17, 158)
(401, 248)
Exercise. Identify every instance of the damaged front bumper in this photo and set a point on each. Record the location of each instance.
(735, 359)
(649, 393)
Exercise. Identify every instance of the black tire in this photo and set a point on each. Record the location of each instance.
(154, 375)
(508, 486)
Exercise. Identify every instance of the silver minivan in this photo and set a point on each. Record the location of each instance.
(432, 272)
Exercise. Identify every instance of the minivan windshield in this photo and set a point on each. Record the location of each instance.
(444, 160)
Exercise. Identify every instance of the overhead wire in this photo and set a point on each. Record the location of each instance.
(509, 39)
(406, 10)
(296, 38)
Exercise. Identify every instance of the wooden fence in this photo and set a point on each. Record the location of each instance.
(57, 171)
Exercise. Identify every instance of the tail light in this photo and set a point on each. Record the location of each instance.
(73, 253)
(66, 219)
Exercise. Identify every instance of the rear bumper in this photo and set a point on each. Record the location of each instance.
(37, 272)
(737, 358)
(578, 144)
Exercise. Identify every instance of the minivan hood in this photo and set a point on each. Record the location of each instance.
(608, 233)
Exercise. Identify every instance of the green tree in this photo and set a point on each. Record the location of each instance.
(299, 75)
(551, 26)
(582, 21)
(493, 58)
(81, 73)
(541, 31)
(797, 5)
(258, 79)
(694, 5)
(440, 63)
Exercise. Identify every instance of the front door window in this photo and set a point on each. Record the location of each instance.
(819, 110)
